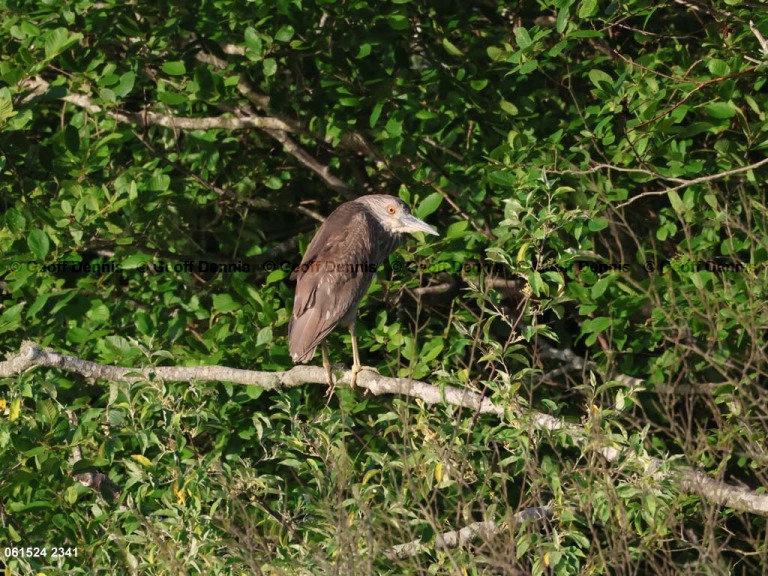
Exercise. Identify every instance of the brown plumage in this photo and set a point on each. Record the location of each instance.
(338, 268)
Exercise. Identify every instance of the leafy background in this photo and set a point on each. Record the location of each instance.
(597, 172)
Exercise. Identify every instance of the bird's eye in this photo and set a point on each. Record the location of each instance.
(391, 209)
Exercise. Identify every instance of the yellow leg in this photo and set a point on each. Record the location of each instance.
(327, 365)
(356, 367)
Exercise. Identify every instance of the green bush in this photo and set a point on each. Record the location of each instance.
(597, 172)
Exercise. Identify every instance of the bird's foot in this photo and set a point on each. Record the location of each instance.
(328, 376)
(330, 379)
(359, 368)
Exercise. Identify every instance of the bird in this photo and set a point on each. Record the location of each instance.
(337, 269)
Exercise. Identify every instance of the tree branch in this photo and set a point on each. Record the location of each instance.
(261, 102)
(695, 181)
(760, 38)
(466, 535)
(149, 118)
(691, 480)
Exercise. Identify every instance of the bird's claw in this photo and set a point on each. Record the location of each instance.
(330, 380)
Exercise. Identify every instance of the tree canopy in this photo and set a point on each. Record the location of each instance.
(572, 375)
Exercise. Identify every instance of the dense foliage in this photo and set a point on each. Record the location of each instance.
(597, 172)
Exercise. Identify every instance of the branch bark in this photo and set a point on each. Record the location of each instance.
(277, 128)
(690, 479)
(147, 117)
(463, 536)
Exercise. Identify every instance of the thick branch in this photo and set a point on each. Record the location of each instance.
(692, 480)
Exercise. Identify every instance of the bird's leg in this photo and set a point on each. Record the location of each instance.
(356, 366)
(328, 367)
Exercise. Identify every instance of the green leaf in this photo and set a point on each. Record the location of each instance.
(174, 68)
(502, 178)
(508, 108)
(451, 48)
(529, 67)
(125, 85)
(394, 126)
(58, 40)
(285, 33)
(597, 223)
(15, 221)
(135, 261)
(38, 243)
(429, 204)
(601, 80)
(10, 319)
(269, 65)
(253, 40)
(364, 50)
(494, 53)
(597, 325)
(457, 229)
(718, 67)
(375, 113)
(159, 182)
(720, 110)
(398, 22)
(18, 507)
(172, 98)
(522, 38)
(599, 288)
(6, 109)
(264, 336)
(107, 96)
(224, 303)
(273, 182)
(587, 8)
(676, 202)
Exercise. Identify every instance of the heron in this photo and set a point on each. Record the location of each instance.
(337, 269)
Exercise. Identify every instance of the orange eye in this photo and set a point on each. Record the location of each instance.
(391, 209)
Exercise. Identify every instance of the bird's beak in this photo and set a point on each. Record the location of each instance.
(412, 224)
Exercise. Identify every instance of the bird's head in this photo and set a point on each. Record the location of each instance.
(394, 215)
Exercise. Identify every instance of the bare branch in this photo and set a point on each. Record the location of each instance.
(462, 537)
(305, 158)
(692, 480)
(149, 118)
(598, 167)
(694, 181)
(760, 38)
(441, 288)
(275, 127)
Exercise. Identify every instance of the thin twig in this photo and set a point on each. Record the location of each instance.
(598, 167)
(695, 181)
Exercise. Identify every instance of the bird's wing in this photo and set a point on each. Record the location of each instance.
(334, 274)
